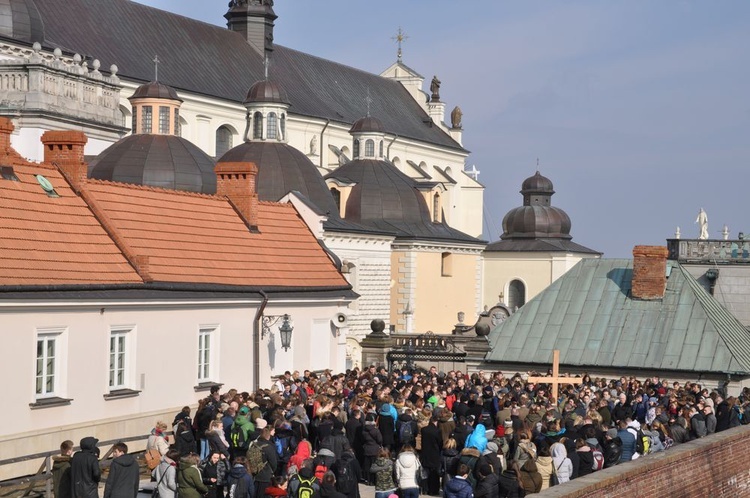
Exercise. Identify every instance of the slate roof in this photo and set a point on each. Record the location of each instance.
(200, 239)
(589, 316)
(53, 241)
(538, 245)
(211, 60)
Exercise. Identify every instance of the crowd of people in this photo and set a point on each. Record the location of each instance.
(321, 435)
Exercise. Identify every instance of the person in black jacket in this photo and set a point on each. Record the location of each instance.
(84, 470)
(372, 440)
(488, 485)
(387, 426)
(336, 441)
(184, 439)
(270, 457)
(612, 448)
(124, 474)
(432, 443)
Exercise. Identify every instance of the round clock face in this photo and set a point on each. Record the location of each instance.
(498, 315)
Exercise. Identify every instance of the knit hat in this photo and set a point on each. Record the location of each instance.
(260, 423)
(612, 433)
(492, 446)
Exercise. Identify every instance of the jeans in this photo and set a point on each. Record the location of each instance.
(410, 493)
(204, 448)
(384, 494)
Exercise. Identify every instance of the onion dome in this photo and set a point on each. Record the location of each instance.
(165, 161)
(537, 218)
(282, 169)
(266, 91)
(155, 90)
(368, 124)
(20, 20)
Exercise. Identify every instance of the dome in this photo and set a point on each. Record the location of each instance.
(531, 222)
(266, 91)
(368, 124)
(155, 90)
(165, 161)
(281, 169)
(20, 20)
(537, 184)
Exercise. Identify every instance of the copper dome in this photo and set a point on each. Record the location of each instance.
(266, 91)
(537, 184)
(368, 124)
(536, 222)
(155, 90)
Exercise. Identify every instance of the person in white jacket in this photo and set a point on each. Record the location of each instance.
(165, 475)
(561, 462)
(408, 469)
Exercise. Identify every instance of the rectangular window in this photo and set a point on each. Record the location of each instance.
(146, 110)
(47, 359)
(134, 124)
(118, 357)
(177, 130)
(206, 348)
(446, 268)
(164, 120)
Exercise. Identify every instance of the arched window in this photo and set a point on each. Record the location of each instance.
(258, 125)
(282, 126)
(381, 149)
(370, 148)
(436, 208)
(271, 132)
(356, 149)
(516, 294)
(336, 193)
(223, 140)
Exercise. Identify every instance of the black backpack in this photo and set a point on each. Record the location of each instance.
(237, 439)
(346, 481)
(406, 432)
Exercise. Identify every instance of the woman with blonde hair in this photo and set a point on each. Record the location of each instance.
(158, 439)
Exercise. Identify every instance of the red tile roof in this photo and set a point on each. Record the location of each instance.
(196, 238)
(52, 241)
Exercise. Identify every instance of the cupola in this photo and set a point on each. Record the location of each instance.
(537, 218)
(254, 21)
(156, 110)
(267, 106)
(368, 135)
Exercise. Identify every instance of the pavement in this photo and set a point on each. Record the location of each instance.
(146, 488)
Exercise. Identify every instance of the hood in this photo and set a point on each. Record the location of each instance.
(88, 443)
(237, 472)
(558, 451)
(299, 411)
(184, 465)
(445, 415)
(241, 420)
(592, 441)
(529, 466)
(385, 409)
(61, 459)
(306, 472)
(584, 449)
(407, 459)
(471, 452)
(405, 417)
(303, 450)
(126, 460)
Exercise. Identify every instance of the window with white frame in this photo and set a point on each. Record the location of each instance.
(118, 358)
(48, 361)
(206, 352)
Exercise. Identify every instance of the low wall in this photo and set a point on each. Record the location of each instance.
(716, 466)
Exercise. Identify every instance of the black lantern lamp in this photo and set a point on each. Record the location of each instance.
(285, 330)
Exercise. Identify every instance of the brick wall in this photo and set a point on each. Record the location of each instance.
(716, 466)
(649, 272)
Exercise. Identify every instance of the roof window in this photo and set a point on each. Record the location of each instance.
(8, 174)
(47, 186)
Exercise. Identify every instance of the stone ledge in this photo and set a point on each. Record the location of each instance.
(49, 403)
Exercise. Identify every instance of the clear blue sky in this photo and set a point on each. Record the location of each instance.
(637, 110)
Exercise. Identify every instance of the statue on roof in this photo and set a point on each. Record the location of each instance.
(456, 116)
(435, 89)
(702, 221)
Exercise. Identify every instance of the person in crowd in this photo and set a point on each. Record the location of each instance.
(372, 442)
(430, 456)
(328, 486)
(158, 439)
(382, 467)
(627, 437)
(408, 471)
(278, 487)
(458, 486)
(545, 465)
(124, 474)
(214, 470)
(183, 437)
(189, 480)
(563, 465)
(61, 485)
(85, 473)
(216, 440)
(240, 483)
(165, 474)
(270, 457)
(488, 484)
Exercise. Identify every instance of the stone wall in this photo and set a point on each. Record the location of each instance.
(716, 466)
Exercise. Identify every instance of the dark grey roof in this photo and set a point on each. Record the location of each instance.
(20, 20)
(538, 245)
(282, 169)
(266, 91)
(157, 160)
(388, 200)
(211, 60)
(335, 223)
(155, 90)
(589, 316)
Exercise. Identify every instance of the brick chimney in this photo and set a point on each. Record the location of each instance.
(649, 272)
(236, 182)
(6, 128)
(65, 150)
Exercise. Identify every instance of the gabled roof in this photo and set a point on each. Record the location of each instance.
(589, 316)
(195, 238)
(53, 240)
(214, 61)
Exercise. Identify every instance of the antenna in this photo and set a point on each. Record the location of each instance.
(156, 67)
(400, 38)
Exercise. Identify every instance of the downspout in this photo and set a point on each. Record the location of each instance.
(322, 132)
(388, 151)
(256, 341)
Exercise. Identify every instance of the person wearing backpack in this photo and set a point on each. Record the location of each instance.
(241, 433)
(303, 484)
(323, 462)
(348, 474)
(262, 458)
(406, 427)
(240, 483)
(328, 486)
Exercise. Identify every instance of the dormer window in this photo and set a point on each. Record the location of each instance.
(271, 132)
(258, 125)
(370, 148)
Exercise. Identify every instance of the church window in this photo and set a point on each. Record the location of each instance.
(48, 345)
(134, 124)
(446, 264)
(271, 132)
(164, 120)
(177, 130)
(223, 140)
(355, 149)
(146, 110)
(370, 148)
(206, 340)
(257, 125)
(381, 149)
(336, 193)
(516, 294)
(282, 126)
(436, 208)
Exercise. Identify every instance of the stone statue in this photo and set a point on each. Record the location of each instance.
(702, 221)
(435, 89)
(314, 145)
(456, 116)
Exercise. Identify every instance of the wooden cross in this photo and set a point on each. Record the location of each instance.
(555, 380)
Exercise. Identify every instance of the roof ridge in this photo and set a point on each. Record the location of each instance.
(134, 186)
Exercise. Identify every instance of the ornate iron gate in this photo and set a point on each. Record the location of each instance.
(425, 347)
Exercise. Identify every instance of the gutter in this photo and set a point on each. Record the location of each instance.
(322, 132)
(388, 151)
(256, 341)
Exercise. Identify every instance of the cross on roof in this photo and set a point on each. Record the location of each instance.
(156, 67)
(369, 101)
(400, 38)
(555, 380)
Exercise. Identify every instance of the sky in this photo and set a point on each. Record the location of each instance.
(638, 111)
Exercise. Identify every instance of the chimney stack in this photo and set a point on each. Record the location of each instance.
(649, 272)
(236, 182)
(6, 128)
(65, 150)
(254, 20)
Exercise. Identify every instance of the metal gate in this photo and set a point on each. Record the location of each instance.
(425, 347)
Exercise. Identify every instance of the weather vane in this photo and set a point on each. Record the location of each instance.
(400, 38)
(156, 67)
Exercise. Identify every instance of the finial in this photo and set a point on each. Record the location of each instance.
(156, 67)
(400, 38)
(266, 63)
(725, 232)
(677, 233)
(369, 101)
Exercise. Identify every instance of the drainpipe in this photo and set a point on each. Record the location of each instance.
(322, 132)
(256, 341)
(388, 151)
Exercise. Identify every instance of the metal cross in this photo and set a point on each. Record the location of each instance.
(156, 67)
(400, 38)
(369, 101)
